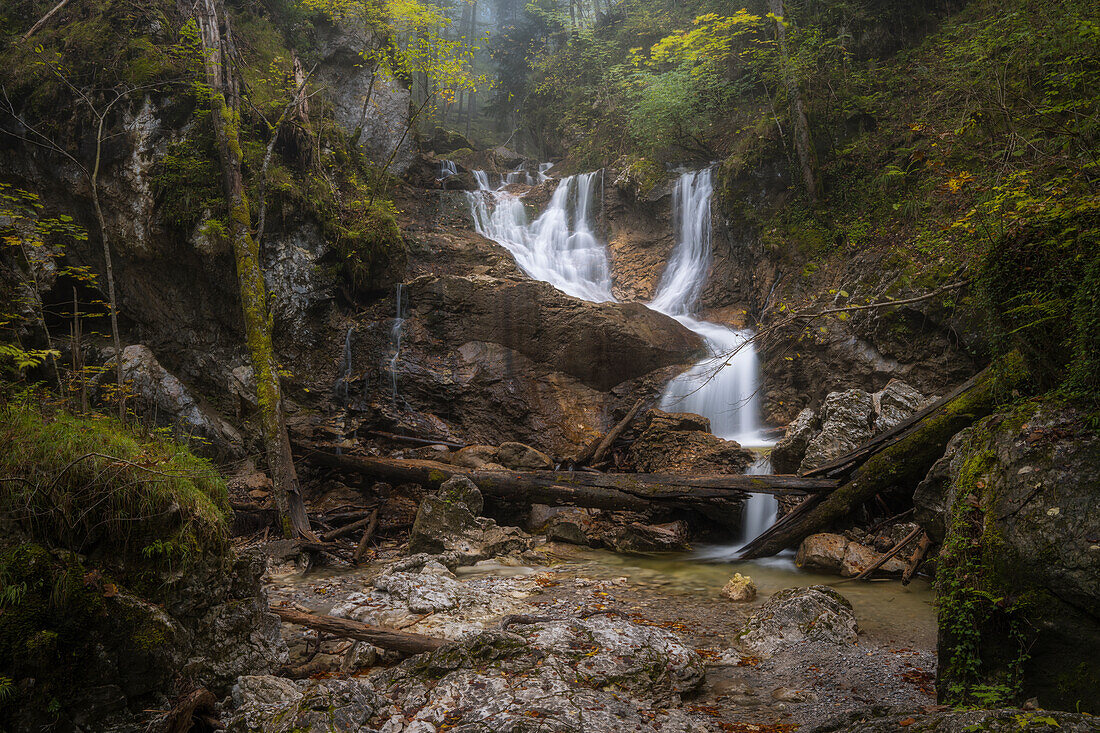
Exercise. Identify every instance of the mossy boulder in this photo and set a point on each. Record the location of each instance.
(1019, 576)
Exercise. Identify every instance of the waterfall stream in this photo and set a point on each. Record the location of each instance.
(559, 247)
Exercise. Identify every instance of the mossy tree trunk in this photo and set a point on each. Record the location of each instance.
(899, 465)
(224, 100)
(803, 142)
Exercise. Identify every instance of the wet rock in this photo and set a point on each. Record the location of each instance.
(846, 419)
(638, 537)
(1022, 525)
(520, 457)
(474, 456)
(823, 552)
(740, 588)
(895, 403)
(788, 453)
(600, 344)
(795, 615)
(858, 558)
(159, 394)
(679, 443)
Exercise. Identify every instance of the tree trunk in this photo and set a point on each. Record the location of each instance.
(108, 264)
(803, 142)
(399, 641)
(257, 318)
(632, 491)
(899, 465)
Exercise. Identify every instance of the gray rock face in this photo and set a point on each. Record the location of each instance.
(846, 420)
(894, 403)
(383, 126)
(160, 394)
(788, 453)
(796, 615)
(591, 675)
(296, 281)
(1028, 481)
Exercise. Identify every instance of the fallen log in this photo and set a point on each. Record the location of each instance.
(349, 528)
(885, 556)
(629, 491)
(361, 548)
(915, 560)
(855, 457)
(399, 641)
(900, 465)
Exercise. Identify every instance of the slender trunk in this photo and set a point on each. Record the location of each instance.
(803, 143)
(108, 264)
(257, 318)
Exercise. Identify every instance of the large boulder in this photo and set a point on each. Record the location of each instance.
(638, 537)
(788, 453)
(846, 421)
(1019, 573)
(798, 615)
(600, 344)
(449, 522)
(680, 442)
(834, 553)
(894, 403)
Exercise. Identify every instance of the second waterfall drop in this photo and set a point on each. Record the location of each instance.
(724, 386)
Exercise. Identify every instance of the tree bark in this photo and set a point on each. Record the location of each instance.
(803, 142)
(900, 464)
(633, 491)
(398, 641)
(224, 100)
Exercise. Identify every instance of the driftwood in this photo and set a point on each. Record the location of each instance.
(361, 548)
(626, 491)
(604, 445)
(349, 528)
(399, 641)
(885, 556)
(915, 560)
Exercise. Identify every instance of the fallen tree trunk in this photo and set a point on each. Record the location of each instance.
(400, 641)
(901, 464)
(630, 491)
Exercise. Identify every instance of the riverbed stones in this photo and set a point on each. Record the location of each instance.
(796, 615)
(740, 589)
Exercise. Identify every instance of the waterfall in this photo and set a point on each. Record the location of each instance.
(395, 335)
(723, 386)
(559, 247)
(447, 171)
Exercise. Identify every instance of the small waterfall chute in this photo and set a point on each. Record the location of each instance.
(559, 247)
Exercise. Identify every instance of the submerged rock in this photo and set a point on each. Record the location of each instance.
(795, 615)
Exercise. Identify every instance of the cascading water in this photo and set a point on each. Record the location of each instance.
(559, 247)
(395, 335)
(723, 386)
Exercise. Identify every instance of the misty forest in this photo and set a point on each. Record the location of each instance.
(549, 366)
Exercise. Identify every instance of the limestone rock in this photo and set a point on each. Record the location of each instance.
(601, 344)
(795, 615)
(740, 588)
(789, 452)
(894, 403)
(520, 457)
(858, 558)
(575, 525)
(638, 537)
(160, 395)
(823, 552)
(680, 443)
(846, 419)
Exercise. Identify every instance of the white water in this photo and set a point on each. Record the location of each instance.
(559, 247)
(723, 386)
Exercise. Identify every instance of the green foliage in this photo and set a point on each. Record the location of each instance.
(92, 484)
